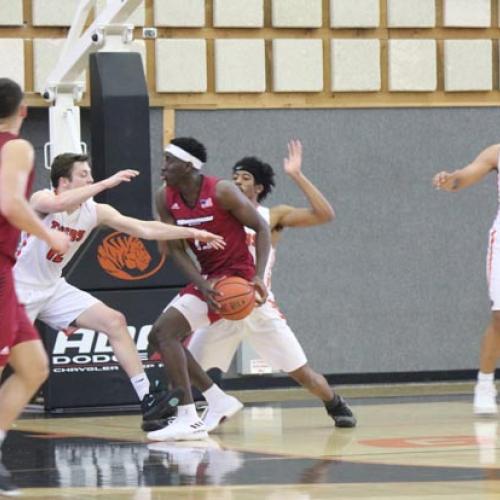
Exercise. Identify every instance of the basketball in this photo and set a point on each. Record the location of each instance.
(238, 300)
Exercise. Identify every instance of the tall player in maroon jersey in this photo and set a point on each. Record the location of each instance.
(266, 328)
(20, 344)
(195, 200)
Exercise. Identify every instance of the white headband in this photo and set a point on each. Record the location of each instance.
(184, 155)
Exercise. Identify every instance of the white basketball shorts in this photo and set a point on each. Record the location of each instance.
(57, 305)
(265, 329)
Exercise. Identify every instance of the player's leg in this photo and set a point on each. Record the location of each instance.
(155, 404)
(184, 314)
(214, 347)
(485, 391)
(20, 346)
(69, 305)
(29, 365)
(112, 323)
(199, 379)
(276, 343)
(317, 384)
(30, 369)
(169, 331)
(313, 381)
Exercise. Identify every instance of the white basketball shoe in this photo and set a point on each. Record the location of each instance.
(215, 414)
(485, 395)
(180, 430)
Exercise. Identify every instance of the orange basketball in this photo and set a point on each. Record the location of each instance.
(238, 300)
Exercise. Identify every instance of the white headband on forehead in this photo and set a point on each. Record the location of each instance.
(184, 155)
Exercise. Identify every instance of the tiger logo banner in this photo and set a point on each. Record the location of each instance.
(127, 258)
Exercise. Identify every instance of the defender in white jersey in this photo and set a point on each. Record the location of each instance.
(266, 328)
(38, 272)
(485, 391)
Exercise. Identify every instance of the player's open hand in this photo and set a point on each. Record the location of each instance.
(260, 290)
(119, 177)
(292, 164)
(58, 241)
(445, 181)
(214, 240)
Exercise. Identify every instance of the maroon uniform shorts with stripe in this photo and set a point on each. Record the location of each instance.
(15, 327)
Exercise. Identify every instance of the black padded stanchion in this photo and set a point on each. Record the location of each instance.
(120, 128)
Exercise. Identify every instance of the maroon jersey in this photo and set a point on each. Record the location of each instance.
(9, 234)
(235, 259)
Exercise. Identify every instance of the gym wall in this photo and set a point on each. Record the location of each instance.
(397, 281)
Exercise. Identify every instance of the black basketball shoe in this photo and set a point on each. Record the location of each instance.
(7, 487)
(160, 423)
(156, 425)
(341, 413)
(160, 404)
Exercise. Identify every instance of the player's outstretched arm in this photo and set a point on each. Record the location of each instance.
(152, 230)
(469, 175)
(232, 199)
(48, 202)
(319, 211)
(17, 162)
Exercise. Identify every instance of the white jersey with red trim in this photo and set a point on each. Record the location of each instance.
(37, 264)
(265, 213)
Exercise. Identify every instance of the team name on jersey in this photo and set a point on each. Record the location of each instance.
(195, 221)
(74, 234)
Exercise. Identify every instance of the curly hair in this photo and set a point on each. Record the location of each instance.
(262, 172)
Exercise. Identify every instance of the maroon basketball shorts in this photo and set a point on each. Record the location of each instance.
(15, 327)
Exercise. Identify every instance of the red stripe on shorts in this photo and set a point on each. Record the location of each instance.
(490, 254)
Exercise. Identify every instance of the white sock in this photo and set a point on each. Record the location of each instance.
(187, 412)
(214, 394)
(485, 377)
(141, 385)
